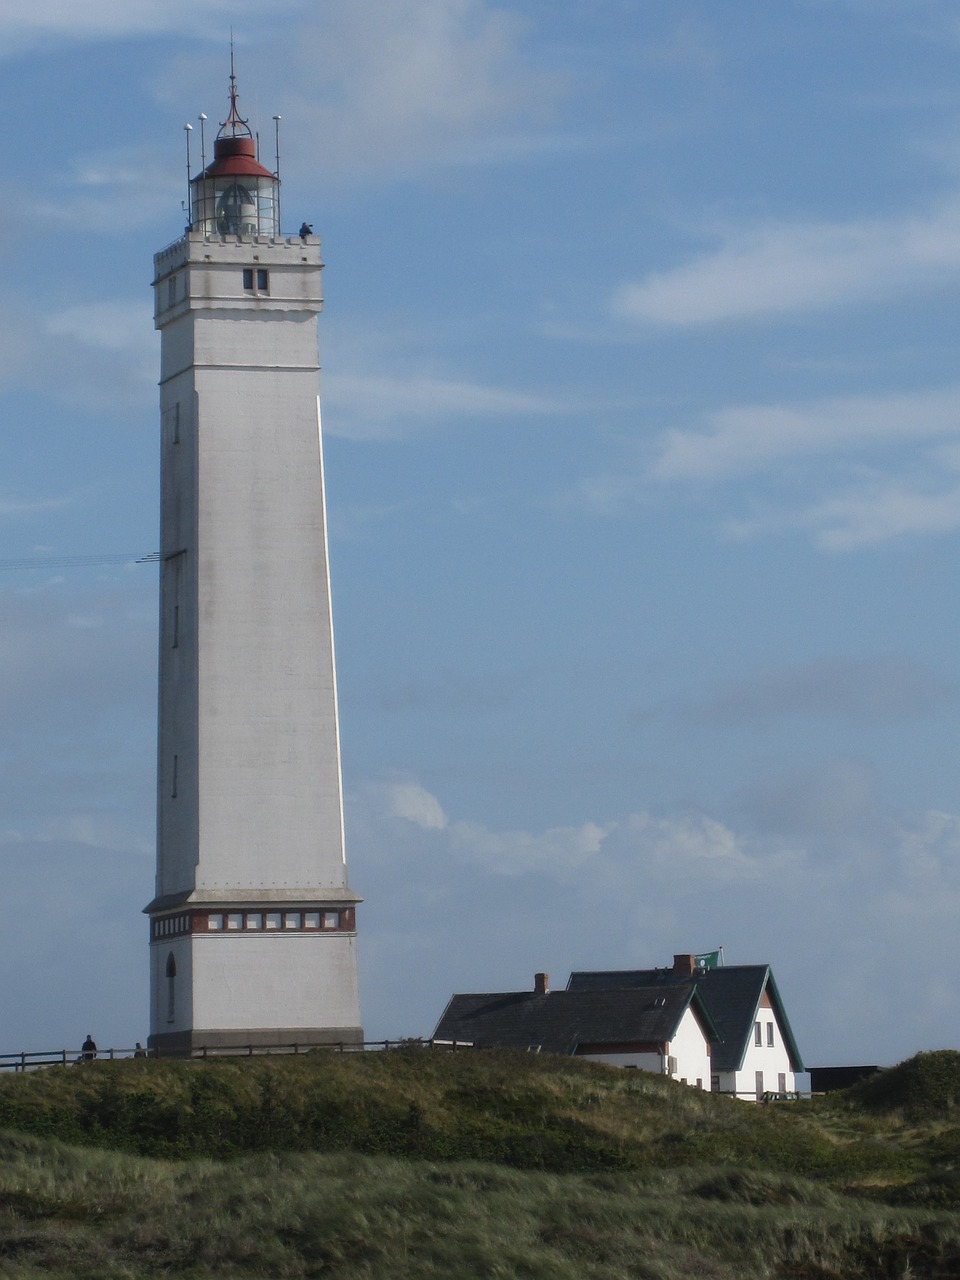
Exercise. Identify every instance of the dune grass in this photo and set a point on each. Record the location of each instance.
(81, 1213)
(423, 1164)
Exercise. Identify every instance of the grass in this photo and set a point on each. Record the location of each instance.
(423, 1164)
(65, 1212)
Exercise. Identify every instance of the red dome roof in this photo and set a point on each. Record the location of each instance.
(235, 157)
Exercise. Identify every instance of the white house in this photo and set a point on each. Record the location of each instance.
(755, 1051)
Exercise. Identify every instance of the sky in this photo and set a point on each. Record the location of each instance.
(642, 410)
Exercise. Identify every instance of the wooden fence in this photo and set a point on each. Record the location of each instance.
(77, 1057)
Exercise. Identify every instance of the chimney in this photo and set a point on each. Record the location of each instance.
(686, 965)
(541, 984)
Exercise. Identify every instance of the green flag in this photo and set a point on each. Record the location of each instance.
(709, 960)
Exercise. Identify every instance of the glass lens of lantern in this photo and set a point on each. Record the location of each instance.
(226, 206)
(236, 211)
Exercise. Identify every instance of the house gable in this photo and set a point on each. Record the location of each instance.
(732, 995)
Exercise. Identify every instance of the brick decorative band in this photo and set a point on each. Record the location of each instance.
(321, 920)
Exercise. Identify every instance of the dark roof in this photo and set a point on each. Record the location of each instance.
(560, 1020)
(731, 993)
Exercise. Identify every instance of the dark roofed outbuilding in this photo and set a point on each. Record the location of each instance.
(628, 1022)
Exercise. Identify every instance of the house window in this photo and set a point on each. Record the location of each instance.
(253, 920)
(331, 919)
(769, 1035)
(714, 1084)
(699, 1082)
(782, 1082)
(214, 921)
(759, 1084)
(235, 920)
(272, 920)
(311, 919)
(171, 291)
(291, 920)
(757, 1033)
(248, 277)
(262, 280)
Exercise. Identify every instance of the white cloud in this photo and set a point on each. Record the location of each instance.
(468, 907)
(30, 506)
(781, 268)
(749, 438)
(373, 406)
(676, 846)
(410, 801)
(22, 26)
(886, 467)
(869, 512)
(111, 191)
(559, 850)
(111, 325)
(104, 353)
(395, 86)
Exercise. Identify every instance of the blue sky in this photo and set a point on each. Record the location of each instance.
(642, 404)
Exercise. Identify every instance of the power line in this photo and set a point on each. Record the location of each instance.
(79, 562)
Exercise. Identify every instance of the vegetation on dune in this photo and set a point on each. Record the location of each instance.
(80, 1213)
(925, 1087)
(526, 1111)
(421, 1163)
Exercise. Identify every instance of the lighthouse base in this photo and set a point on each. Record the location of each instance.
(230, 1042)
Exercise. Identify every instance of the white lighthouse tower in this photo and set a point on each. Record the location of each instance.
(253, 926)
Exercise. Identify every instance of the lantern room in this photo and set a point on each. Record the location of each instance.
(235, 195)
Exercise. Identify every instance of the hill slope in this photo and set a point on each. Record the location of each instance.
(418, 1163)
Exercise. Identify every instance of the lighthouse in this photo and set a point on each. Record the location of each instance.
(253, 922)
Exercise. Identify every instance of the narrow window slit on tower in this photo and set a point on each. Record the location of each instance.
(262, 279)
(248, 277)
(171, 974)
(173, 781)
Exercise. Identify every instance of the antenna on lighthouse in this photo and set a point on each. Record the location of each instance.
(276, 172)
(203, 141)
(188, 129)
